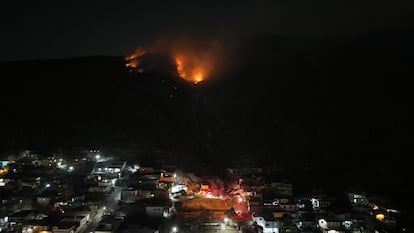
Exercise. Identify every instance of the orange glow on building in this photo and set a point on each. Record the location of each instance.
(4, 170)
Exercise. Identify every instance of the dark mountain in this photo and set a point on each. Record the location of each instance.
(311, 105)
(90, 101)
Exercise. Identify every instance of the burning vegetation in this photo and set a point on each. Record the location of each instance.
(193, 62)
(132, 60)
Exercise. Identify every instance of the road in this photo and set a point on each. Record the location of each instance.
(111, 207)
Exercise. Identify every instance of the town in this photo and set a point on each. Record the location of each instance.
(98, 192)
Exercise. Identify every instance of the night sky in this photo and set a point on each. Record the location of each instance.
(59, 29)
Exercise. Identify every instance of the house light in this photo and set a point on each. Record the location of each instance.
(380, 217)
(174, 229)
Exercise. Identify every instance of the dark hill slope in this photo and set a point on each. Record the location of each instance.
(87, 101)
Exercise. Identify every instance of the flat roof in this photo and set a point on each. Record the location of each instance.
(22, 213)
(65, 224)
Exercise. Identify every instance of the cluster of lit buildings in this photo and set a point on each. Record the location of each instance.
(39, 195)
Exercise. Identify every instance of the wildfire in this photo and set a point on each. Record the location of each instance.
(193, 62)
(188, 69)
(132, 60)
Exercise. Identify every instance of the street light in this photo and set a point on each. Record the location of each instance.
(240, 199)
(226, 220)
(174, 229)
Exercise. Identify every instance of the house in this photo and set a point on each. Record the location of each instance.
(267, 222)
(44, 200)
(252, 184)
(49, 196)
(100, 189)
(4, 162)
(158, 209)
(128, 195)
(282, 188)
(37, 225)
(166, 177)
(66, 226)
(331, 224)
(28, 182)
(22, 215)
(306, 221)
(79, 216)
(133, 194)
(287, 204)
(357, 198)
(108, 225)
(116, 167)
(319, 202)
(26, 218)
(145, 191)
(4, 219)
(112, 168)
(4, 169)
(145, 170)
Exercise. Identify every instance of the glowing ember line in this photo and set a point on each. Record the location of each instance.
(190, 65)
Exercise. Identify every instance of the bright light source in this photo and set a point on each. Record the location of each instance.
(393, 211)
(175, 175)
(380, 217)
(240, 199)
(174, 229)
(226, 220)
(70, 169)
(47, 185)
(97, 156)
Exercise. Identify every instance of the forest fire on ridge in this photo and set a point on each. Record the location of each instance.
(193, 63)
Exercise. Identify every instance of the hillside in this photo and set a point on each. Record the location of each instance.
(300, 103)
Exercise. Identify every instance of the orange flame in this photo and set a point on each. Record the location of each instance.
(194, 61)
(132, 60)
(189, 70)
